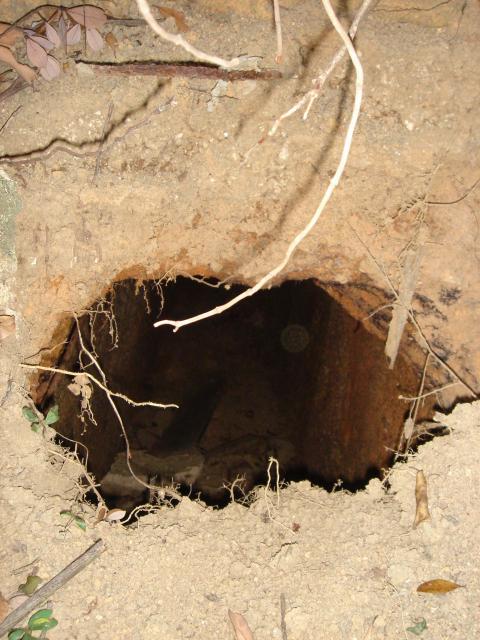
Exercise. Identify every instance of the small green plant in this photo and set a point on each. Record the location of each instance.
(77, 520)
(30, 585)
(40, 621)
(37, 420)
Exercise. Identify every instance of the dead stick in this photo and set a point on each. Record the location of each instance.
(42, 594)
(166, 70)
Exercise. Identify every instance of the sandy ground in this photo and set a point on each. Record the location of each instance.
(194, 190)
(347, 565)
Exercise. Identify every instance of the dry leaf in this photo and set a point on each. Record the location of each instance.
(101, 513)
(7, 326)
(240, 626)
(94, 39)
(43, 42)
(51, 70)
(36, 53)
(178, 16)
(4, 608)
(88, 16)
(8, 39)
(74, 34)
(438, 586)
(52, 35)
(23, 70)
(422, 513)
(114, 515)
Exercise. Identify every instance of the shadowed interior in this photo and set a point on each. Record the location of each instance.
(286, 373)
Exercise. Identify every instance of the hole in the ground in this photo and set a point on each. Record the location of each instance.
(286, 373)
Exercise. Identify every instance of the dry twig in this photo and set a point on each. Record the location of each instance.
(43, 593)
(67, 372)
(177, 324)
(278, 31)
(174, 70)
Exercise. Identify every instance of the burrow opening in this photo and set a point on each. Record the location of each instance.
(286, 373)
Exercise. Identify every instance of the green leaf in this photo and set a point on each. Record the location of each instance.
(16, 634)
(35, 426)
(80, 522)
(46, 625)
(52, 415)
(30, 585)
(29, 414)
(419, 627)
(39, 619)
(28, 636)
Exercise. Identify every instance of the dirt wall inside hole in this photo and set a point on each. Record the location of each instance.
(292, 375)
(191, 190)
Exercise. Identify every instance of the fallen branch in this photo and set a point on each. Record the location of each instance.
(43, 593)
(177, 324)
(175, 70)
(179, 41)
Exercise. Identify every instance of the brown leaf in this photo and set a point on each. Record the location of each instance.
(43, 42)
(36, 53)
(88, 16)
(51, 70)
(101, 513)
(438, 586)
(73, 35)
(94, 39)
(240, 626)
(178, 16)
(8, 39)
(421, 496)
(26, 72)
(53, 36)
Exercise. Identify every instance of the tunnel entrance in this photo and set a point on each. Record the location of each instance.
(286, 373)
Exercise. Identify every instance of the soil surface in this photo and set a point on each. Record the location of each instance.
(347, 565)
(105, 178)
